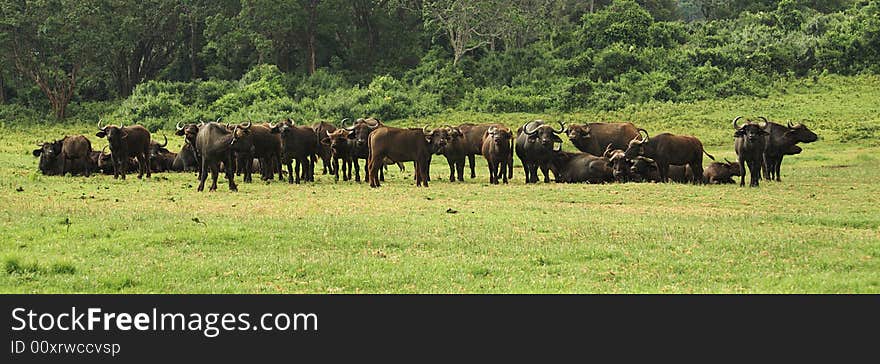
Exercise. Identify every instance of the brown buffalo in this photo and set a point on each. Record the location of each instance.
(472, 141)
(404, 145)
(668, 149)
(324, 152)
(341, 148)
(594, 138)
(71, 155)
(299, 144)
(497, 149)
(721, 173)
(749, 143)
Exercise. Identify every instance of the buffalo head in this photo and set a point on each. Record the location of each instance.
(360, 131)
(48, 153)
(800, 133)
(750, 131)
(544, 134)
(115, 134)
(500, 135)
(637, 145)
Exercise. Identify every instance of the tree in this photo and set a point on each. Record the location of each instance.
(141, 38)
(49, 42)
(468, 24)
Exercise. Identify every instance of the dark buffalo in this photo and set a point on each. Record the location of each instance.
(216, 143)
(324, 152)
(620, 166)
(594, 138)
(299, 144)
(161, 158)
(779, 143)
(580, 168)
(536, 143)
(71, 155)
(749, 143)
(456, 152)
(341, 148)
(645, 169)
(721, 173)
(126, 142)
(186, 159)
(265, 146)
(668, 149)
(497, 149)
(404, 145)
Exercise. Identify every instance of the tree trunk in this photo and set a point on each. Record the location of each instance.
(312, 10)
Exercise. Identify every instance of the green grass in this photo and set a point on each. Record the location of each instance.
(817, 231)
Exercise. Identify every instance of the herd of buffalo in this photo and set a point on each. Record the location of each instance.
(609, 152)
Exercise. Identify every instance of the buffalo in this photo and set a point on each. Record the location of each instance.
(497, 149)
(126, 142)
(668, 149)
(536, 143)
(299, 144)
(594, 138)
(581, 167)
(324, 152)
(620, 166)
(472, 143)
(780, 140)
(722, 173)
(217, 143)
(341, 148)
(404, 145)
(749, 143)
(71, 154)
(265, 146)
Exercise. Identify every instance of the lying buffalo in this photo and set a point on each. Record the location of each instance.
(594, 138)
(126, 142)
(581, 167)
(721, 173)
(621, 167)
(71, 154)
(668, 149)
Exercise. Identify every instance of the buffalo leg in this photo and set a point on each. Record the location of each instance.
(373, 173)
(451, 163)
(215, 172)
(146, 156)
(546, 172)
(472, 160)
(334, 166)
(663, 169)
(459, 167)
(502, 167)
(230, 175)
(755, 171)
(778, 169)
(357, 172)
(297, 171)
(290, 172)
(122, 171)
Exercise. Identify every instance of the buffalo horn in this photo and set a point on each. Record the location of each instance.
(177, 126)
(736, 127)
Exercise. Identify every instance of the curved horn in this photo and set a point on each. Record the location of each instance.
(371, 121)
(736, 127)
(99, 125)
(103, 149)
(177, 126)
(526, 128)
(766, 122)
(726, 161)
(342, 123)
(218, 119)
(247, 126)
(271, 126)
(425, 130)
(492, 129)
(121, 125)
(328, 133)
(789, 125)
(645, 138)
(166, 142)
(607, 152)
(561, 127)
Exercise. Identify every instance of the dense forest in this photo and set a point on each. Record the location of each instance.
(157, 62)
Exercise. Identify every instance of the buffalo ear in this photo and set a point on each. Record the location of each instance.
(179, 132)
(351, 135)
(325, 141)
(101, 134)
(124, 135)
(276, 129)
(37, 152)
(429, 138)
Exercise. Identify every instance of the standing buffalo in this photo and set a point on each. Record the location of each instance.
(497, 149)
(780, 142)
(404, 145)
(126, 142)
(472, 143)
(265, 146)
(581, 167)
(341, 148)
(360, 132)
(455, 152)
(536, 143)
(749, 143)
(668, 149)
(298, 143)
(324, 152)
(217, 143)
(594, 138)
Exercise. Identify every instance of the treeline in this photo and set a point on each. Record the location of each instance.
(186, 60)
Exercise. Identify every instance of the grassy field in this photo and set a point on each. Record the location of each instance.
(816, 231)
